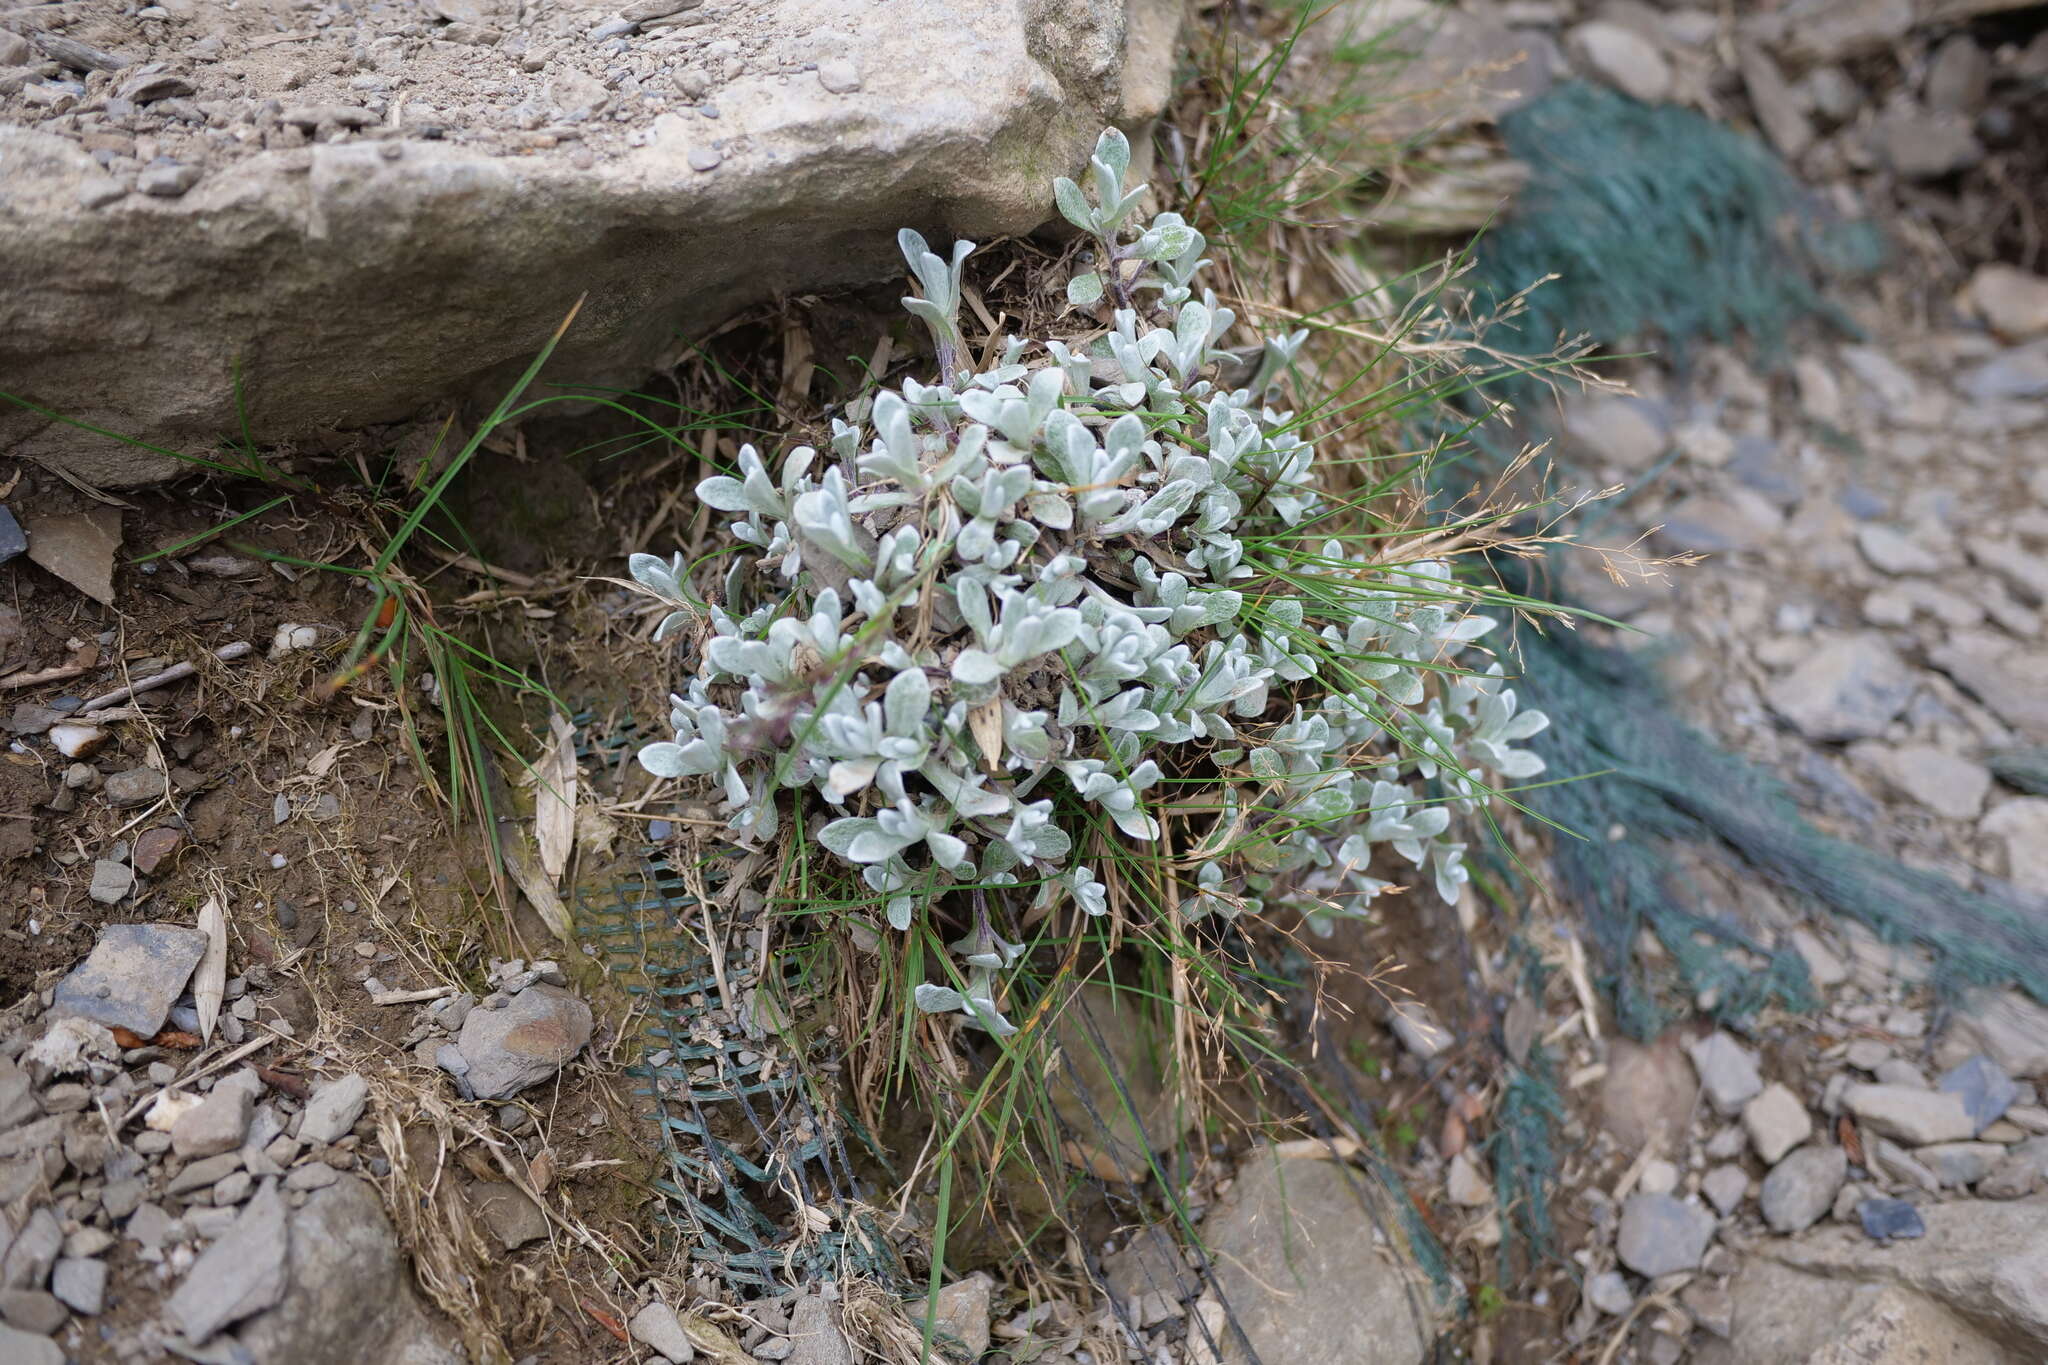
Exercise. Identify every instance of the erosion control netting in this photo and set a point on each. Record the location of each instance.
(1666, 229)
(759, 1186)
(1667, 785)
(1661, 226)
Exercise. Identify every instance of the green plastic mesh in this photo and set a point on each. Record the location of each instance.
(1677, 787)
(1661, 226)
(748, 1150)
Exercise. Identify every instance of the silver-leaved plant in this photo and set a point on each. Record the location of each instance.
(981, 628)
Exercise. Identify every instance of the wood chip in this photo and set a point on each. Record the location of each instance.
(521, 861)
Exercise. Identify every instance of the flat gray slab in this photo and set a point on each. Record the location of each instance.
(396, 237)
(133, 976)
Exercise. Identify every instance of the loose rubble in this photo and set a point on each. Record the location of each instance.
(234, 1183)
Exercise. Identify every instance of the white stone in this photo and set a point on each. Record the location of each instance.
(1608, 1292)
(1617, 431)
(2021, 825)
(1418, 1029)
(1821, 962)
(1777, 1122)
(1466, 1184)
(1623, 59)
(657, 1326)
(1727, 1072)
(2013, 302)
(1913, 1116)
(1892, 551)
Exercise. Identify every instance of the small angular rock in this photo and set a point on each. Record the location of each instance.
(1890, 1220)
(81, 1284)
(1623, 59)
(1725, 1187)
(17, 1096)
(333, 1110)
(1660, 1234)
(153, 846)
(1846, 689)
(1777, 1122)
(26, 1264)
(512, 1218)
(527, 1042)
(111, 881)
(1727, 1072)
(220, 1122)
(657, 1326)
(136, 787)
(2014, 1177)
(132, 977)
(1913, 1116)
(962, 1313)
(1801, 1188)
(1608, 1292)
(1986, 1091)
(242, 1273)
(1959, 1165)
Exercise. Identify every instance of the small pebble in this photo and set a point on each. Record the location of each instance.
(1890, 1220)
(167, 179)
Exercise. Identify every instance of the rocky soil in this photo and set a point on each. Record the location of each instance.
(215, 1131)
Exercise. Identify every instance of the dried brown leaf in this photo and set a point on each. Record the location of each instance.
(985, 722)
(523, 863)
(554, 799)
(209, 983)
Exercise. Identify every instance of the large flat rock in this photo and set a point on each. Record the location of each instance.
(1312, 1267)
(1985, 1262)
(366, 274)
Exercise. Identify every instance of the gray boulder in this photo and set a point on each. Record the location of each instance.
(1294, 1252)
(1782, 1316)
(378, 277)
(1984, 1261)
(243, 1273)
(351, 1297)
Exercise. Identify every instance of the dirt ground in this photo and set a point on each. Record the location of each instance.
(339, 864)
